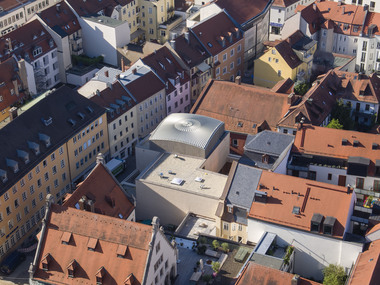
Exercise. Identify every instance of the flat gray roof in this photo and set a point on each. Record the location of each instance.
(268, 142)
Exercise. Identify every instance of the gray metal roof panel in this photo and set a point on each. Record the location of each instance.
(191, 129)
(243, 186)
(272, 143)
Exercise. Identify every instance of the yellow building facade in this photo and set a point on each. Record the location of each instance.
(283, 61)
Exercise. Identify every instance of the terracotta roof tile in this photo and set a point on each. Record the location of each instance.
(108, 197)
(243, 108)
(367, 267)
(284, 86)
(258, 274)
(24, 40)
(373, 21)
(311, 197)
(243, 10)
(328, 142)
(110, 234)
(210, 33)
(60, 19)
(192, 52)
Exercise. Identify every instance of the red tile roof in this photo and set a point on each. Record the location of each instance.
(339, 14)
(211, 33)
(103, 189)
(243, 108)
(375, 228)
(256, 274)
(9, 5)
(285, 192)
(142, 91)
(110, 233)
(284, 86)
(24, 40)
(285, 49)
(372, 20)
(283, 3)
(8, 74)
(166, 66)
(328, 142)
(60, 19)
(243, 10)
(367, 267)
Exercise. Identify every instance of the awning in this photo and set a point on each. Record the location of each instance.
(136, 34)
(203, 66)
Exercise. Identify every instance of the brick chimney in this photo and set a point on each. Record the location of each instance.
(13, 113)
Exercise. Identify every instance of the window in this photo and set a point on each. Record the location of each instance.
(44, 163)
(34, 203)
(31, 189)
(41, 196)
(62, 163)
(218, 71)
(240, 227)
(239, 48)
(158, 246)
(46, 175)
(279, 73)
(24, 196)
(30, 176)
(273, 51)
(359, 183)
(235, 142)
(376, 185)
(225, 226)
(224, 70)
(231, 66)
(232, 52)
(225, 57)
(329, 176)
(8, 209)
(37, 169)
(54, 169)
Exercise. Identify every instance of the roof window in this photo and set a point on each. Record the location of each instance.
(45, 262)
(316, 221)
(328, 225)
(71, 268)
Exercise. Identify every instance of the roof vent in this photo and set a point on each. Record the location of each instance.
(23, 155)
(12, 164)
(35, 147)
(177, 181)
(81, 115)
(356, 143)
(89, 109)
(121, 250)
(71, 122)
(48, 121)
(3, 176)
(44, 138)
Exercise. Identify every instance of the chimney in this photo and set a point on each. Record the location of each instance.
(295, 280)
(339, 2)
(122, 64)
(238, 80)
(172, 44)
(187, 37)
(92, 206)
(156, 224)
(9, 42)
(134, 70)
(348, 188)
(13, 113)
(100, 158)
(343, 10)
(223, 41)
(58, 7)
(15, 86)
(230, 38)
(106, 73)
(97, 92)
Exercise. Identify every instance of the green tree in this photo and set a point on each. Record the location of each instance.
(334, 275)
(215, 265)
(342, 112)
(225, 246)
(215, 244)
(301, 88)
(334, 124)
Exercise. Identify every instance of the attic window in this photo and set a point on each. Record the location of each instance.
(209, 44)
(316, 221)
(328, 225)
(47, 121)
(71, 268)
(121, 250)
(91, 245)
(344, 142)
(51, 43)
(89, 109)
(3, 176)
(296, 210)
(375, 146)
(100, 275)
(129, 280)
(265, 158)
(45, 262)
(37, 51)
(66, 238)
(240, 124)
(356, 143)
(81, 115)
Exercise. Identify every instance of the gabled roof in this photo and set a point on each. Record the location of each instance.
(8, 74)
(317, 103)
(372, 22)
(90, 7)
(283, 3)
(328, 142)
(284, 193)
(102, 188)
(243, 108)
(213, 30)
(60, 19)
(25, 40)
(284, 86)
(9, 5)
(367, 267)
(110, 233)
(243, 11)
(49, 117)
(167, 67)
(258, 274)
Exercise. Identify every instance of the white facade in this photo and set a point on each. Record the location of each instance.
(313, 252)
(278, 16)
(373, 5)
(370, 109)
(122, 133)
(103, 38)
(79, 79)
(179, 100)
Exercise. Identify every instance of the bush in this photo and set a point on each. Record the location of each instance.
(334, 275)
(215, 244)
(301, 88)
(85, 60)
(201, 249)
(202, 240)
(215, 265)
(225, 246)
(335, 124)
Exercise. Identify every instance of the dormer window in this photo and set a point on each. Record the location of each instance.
(100, 275)
(328, 225)
(35, 147)
(3, 176)
(129, 280)
(37, 51)
(71, 268)
(66, 238)
(91, 245)
(230, 209)
(13, 165)
(121, 250)
(23, 155)
(265, 158)
(45, 262)
(44, 138)
(316, 221)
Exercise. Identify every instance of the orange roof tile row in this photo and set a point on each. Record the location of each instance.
(312, 197)
(84, 227)
(243, 108)
(102, 188)
(258, 274)
(367, 267)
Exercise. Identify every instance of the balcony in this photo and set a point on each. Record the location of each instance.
(77, 51)
(77, 40)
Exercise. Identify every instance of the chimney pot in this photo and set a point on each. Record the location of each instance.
(238, 80)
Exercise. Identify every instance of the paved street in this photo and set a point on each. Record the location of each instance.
(20, 276)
